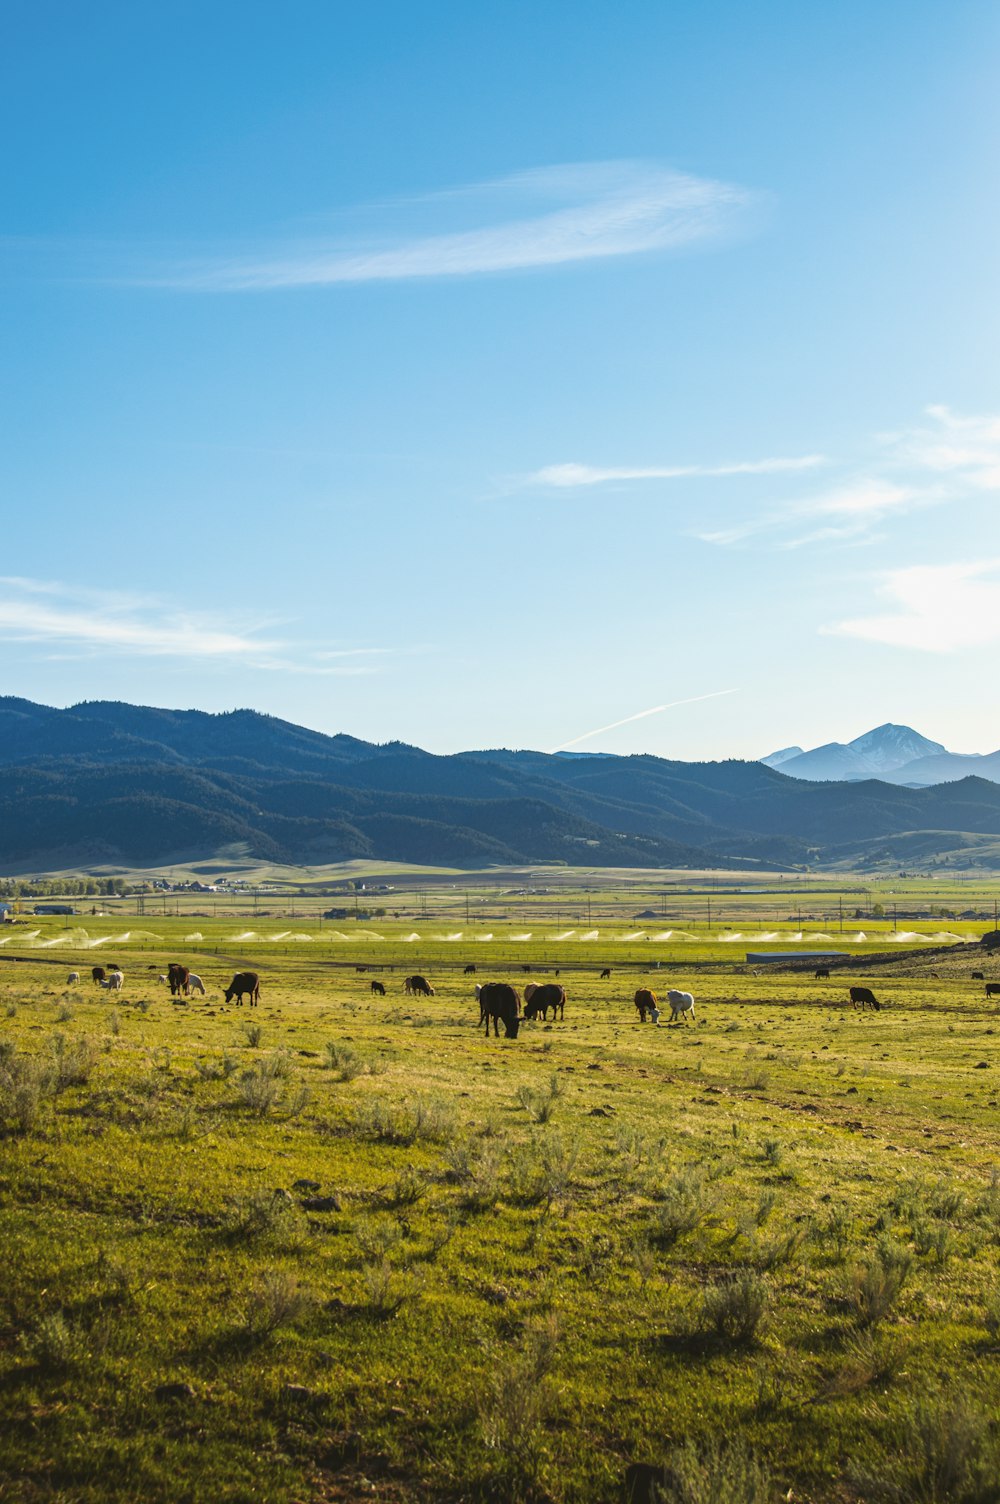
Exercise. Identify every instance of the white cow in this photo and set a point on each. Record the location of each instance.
(164, 980)
(195, 984)
(116, 981)
(681, 1003)
(74, 976)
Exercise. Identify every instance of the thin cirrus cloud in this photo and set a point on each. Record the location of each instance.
(947, 457)
(569, 476)
(83, 623)
(852, 508)
(934, 608)
(540, 218)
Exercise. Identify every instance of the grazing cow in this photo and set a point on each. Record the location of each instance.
(116, 980)
(98, 973)
(541, 999)
(993, 989)
(378, 988)
(862, 995)
(244, 982)
(179, 978)
(821, 971)
(498, 1000)
(606, 972)
(195, 984)
(418, 986)
(977, 976)
(164, 979)
(645, 1001)
(74, 976)
(681, 1004)
(470, 970)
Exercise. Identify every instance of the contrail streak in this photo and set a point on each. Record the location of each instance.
(639, 715)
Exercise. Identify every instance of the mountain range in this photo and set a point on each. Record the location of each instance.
(895, 754)
(111, 783)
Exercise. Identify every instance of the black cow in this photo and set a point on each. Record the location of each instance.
(606, 972)
(821, 971)
(977, 976)
(541, 999)
(470, 970)
(645, 1001)
(99, 974)
(244, 982)
(379, 989)
(862, 995)
(417, 986)
(498, 1000)
(993, 989)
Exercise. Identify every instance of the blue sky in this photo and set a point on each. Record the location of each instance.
(488, 375)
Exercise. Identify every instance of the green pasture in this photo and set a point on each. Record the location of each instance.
(342, 1246)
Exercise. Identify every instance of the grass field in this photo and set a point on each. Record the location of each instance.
(342, 1247)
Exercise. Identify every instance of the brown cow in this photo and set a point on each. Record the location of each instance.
(379, 989)
(418, 986)
(98, 974)
(179, 978)
(645, 1001)
(541, 999)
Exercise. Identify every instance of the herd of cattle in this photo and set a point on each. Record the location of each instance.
(181, 981)
(499, 1002)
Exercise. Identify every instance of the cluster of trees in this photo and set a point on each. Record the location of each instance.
(62, 887)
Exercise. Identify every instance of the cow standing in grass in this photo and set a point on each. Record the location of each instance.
(378, 988)
(244, 983)
(179, 978)
(645, 1002)
(541, 999)
(681, 1004)
(862, 995)
(498, 1000)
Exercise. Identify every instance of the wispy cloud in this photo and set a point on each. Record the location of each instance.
(947, 457)
(81, 623)
(541, 218)
(858, 503)
(935, 608)
(966, 447)
(570, 475)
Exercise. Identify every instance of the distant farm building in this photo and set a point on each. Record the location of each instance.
(53, 908)
(336, 914)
